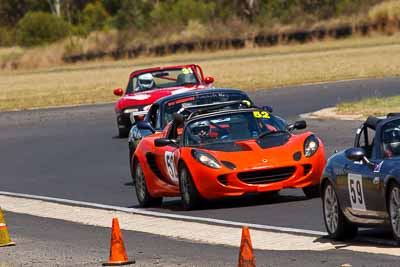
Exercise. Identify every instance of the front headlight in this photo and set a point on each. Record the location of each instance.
(206, 159)
(311, 146)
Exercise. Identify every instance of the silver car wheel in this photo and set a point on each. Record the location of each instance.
(331, 209)
(185, 186)
(140, 183)
(394, 206)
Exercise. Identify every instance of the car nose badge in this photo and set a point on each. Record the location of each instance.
(376, 180)
(264, 160)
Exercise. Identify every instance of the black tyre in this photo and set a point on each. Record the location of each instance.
(336, 223)
(191, 198)
(142, 194)
(312, 191)
(394, 209)
(132, 168)
(123, 132)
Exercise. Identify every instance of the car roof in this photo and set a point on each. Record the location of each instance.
(169, 98)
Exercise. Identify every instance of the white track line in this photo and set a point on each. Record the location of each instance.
(198, 232)
(167, 215)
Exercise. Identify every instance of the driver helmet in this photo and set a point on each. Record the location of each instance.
(392, 141)
(202, 129)
(146, 81)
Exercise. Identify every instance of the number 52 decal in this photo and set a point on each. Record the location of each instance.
(261, 114)
(356, 193)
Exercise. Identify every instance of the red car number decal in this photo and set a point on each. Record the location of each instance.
(169, 162)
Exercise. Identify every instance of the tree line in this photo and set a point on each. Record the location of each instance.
(34, 22)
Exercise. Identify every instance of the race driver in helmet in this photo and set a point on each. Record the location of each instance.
(391, 143)
(145, 82)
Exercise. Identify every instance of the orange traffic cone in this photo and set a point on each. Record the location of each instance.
(246, 257)
(117, 251)
(4, 236)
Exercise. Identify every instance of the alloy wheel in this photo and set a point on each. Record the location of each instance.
(185, 186)
(140, 183)
(394, 205)
(331, 209)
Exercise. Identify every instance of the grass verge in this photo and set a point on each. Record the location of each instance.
(251, 68)
(371, 106)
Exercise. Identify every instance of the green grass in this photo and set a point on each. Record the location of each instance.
(371, 106)
(248, 69)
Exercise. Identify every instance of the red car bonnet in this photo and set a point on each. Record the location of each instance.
(149, 97)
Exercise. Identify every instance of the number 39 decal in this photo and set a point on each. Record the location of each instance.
(356, 193)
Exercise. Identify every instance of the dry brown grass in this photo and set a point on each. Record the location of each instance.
(246, 69)
(371, 106)
(388, 11)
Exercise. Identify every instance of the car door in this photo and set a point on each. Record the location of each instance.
(364, 180)
(167, 158)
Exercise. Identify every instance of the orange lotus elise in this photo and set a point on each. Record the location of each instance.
(216, 153)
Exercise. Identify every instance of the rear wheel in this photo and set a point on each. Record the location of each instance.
(394, 210)
(335, 222)
(142, 193)
(312, 191)
(190, 196)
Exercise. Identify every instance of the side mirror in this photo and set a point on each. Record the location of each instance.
(355, 154)
(209, 79)
(159, 142)
(118, 92)
(298, 125)
(145, 125)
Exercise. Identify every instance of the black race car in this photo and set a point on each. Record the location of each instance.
(161, 112)
(361, 185)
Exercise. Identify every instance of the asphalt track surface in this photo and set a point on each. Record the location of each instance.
(49, 242)
(73, 153)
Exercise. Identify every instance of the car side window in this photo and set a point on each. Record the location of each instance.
(391, 139)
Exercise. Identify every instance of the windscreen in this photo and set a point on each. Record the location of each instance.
(162, 79)
(175, 105)
(229, 128)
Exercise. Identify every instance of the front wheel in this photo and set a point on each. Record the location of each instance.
(143, 196)
(335, 222)
(189, 194)
(312, 191)
(394, 210)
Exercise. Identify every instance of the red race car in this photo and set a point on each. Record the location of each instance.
(216, 153)
(148, 85)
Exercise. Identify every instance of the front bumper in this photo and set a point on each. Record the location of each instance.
(123, 120)
(217, 184)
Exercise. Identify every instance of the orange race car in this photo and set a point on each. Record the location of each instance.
(220, 152)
